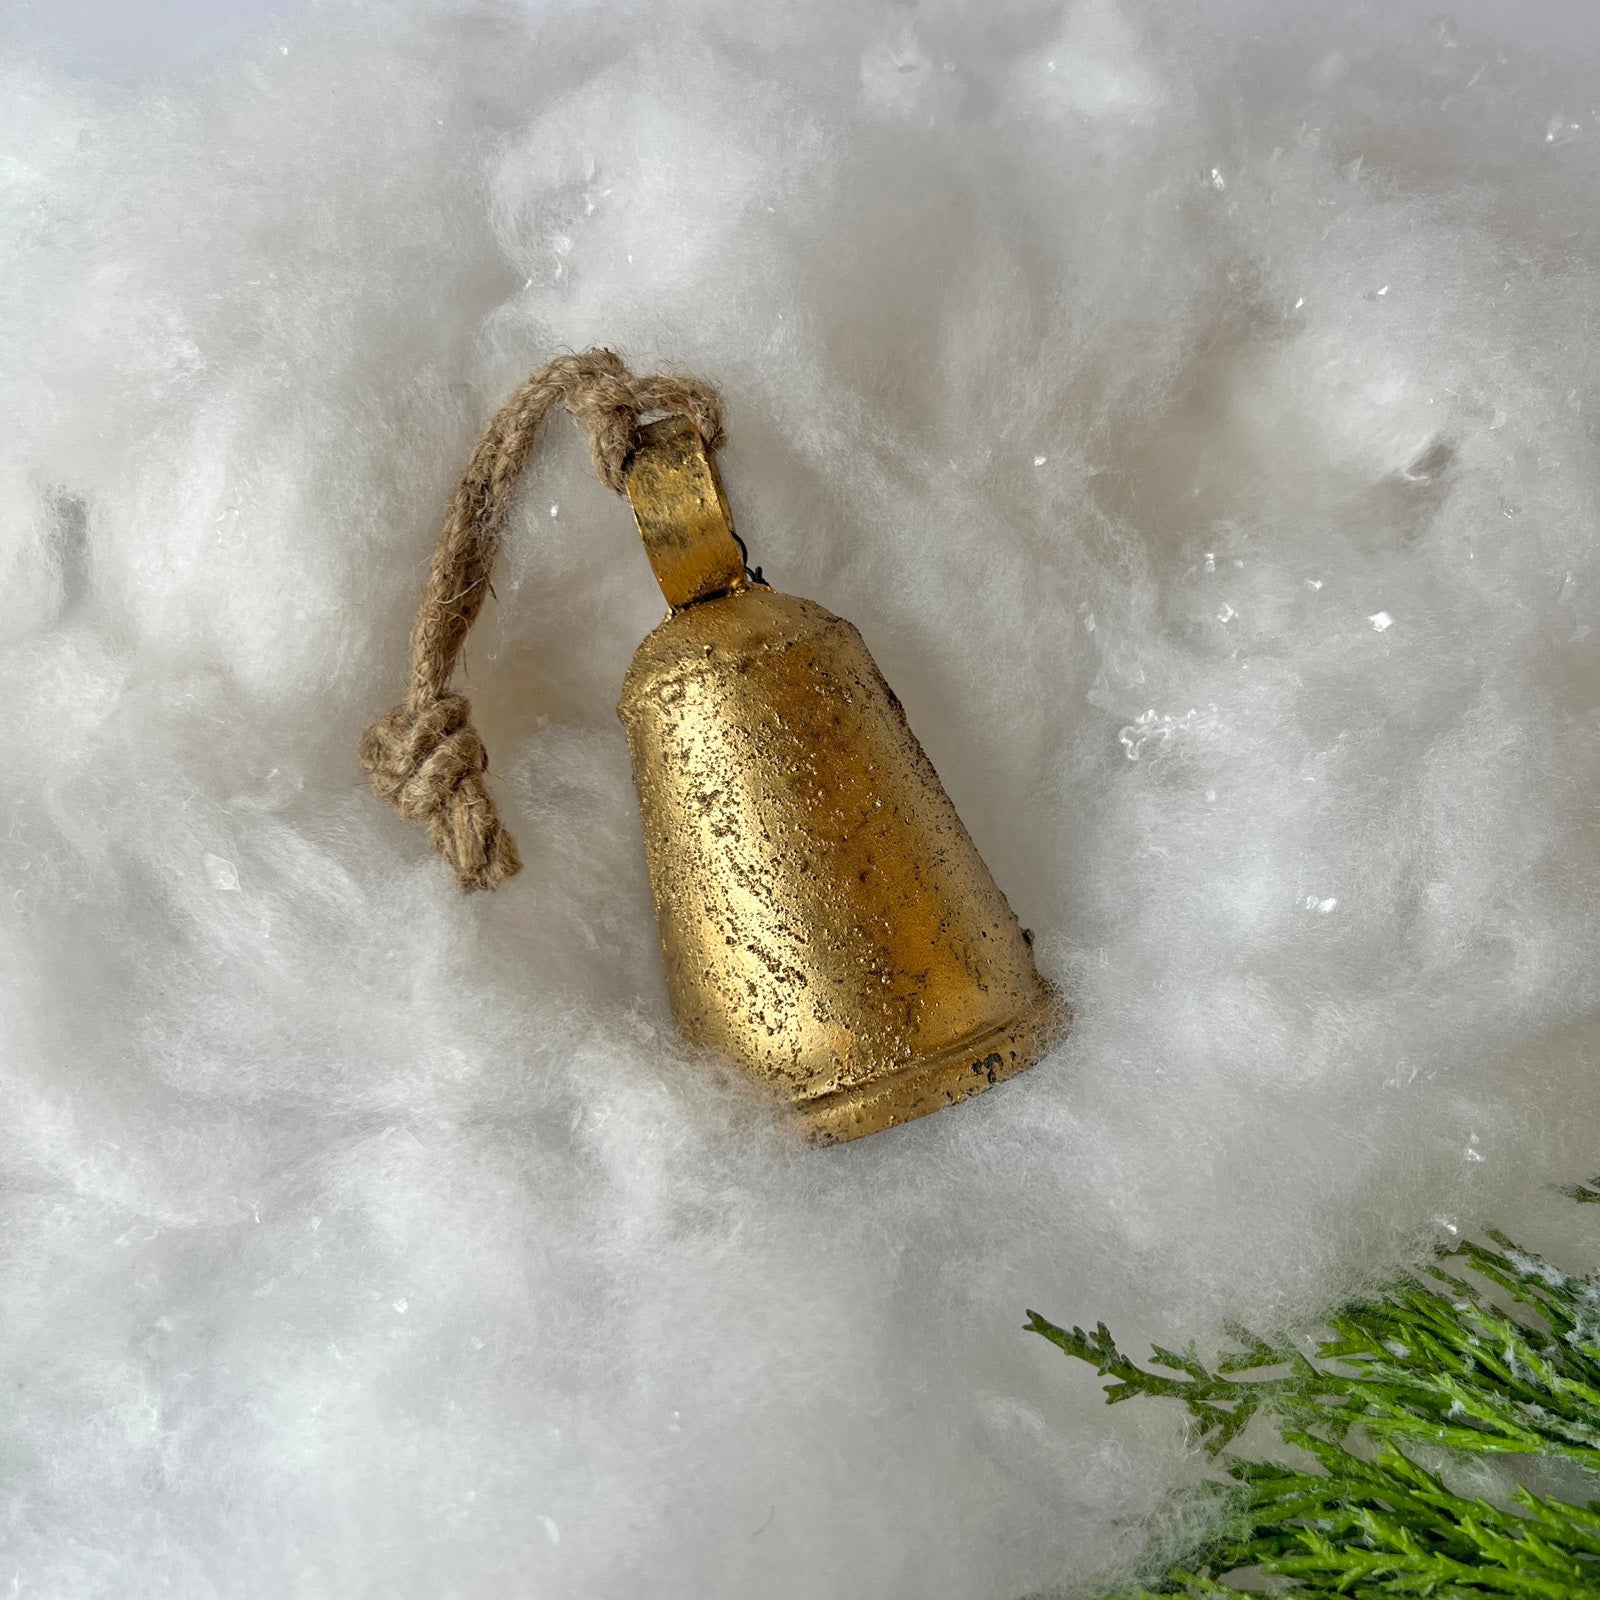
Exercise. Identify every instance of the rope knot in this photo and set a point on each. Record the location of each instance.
(426, 760)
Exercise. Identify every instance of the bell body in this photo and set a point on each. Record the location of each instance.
(825, 919)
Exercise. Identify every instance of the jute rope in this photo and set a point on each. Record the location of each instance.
(425, 758)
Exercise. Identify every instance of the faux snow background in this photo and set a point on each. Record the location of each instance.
(1195, 409)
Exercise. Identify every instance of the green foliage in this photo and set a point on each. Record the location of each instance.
(1407, 1388)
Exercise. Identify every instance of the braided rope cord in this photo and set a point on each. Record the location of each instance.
(425, 758)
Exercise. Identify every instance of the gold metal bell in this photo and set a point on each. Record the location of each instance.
(825, 918)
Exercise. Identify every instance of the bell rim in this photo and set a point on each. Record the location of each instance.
(956, 1073)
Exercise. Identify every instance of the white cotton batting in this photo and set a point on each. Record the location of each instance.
(1196, 413)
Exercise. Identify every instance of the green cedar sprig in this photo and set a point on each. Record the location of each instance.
(1500, 1360)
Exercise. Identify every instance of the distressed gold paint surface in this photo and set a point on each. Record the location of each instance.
(825, 919)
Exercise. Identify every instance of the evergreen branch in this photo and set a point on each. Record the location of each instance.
(1500, 1357)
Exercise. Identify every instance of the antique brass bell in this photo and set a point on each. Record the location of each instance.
(824, 917)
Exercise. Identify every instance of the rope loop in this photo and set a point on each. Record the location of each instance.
(425, 758)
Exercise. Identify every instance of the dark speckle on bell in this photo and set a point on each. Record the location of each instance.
(989, 1066)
